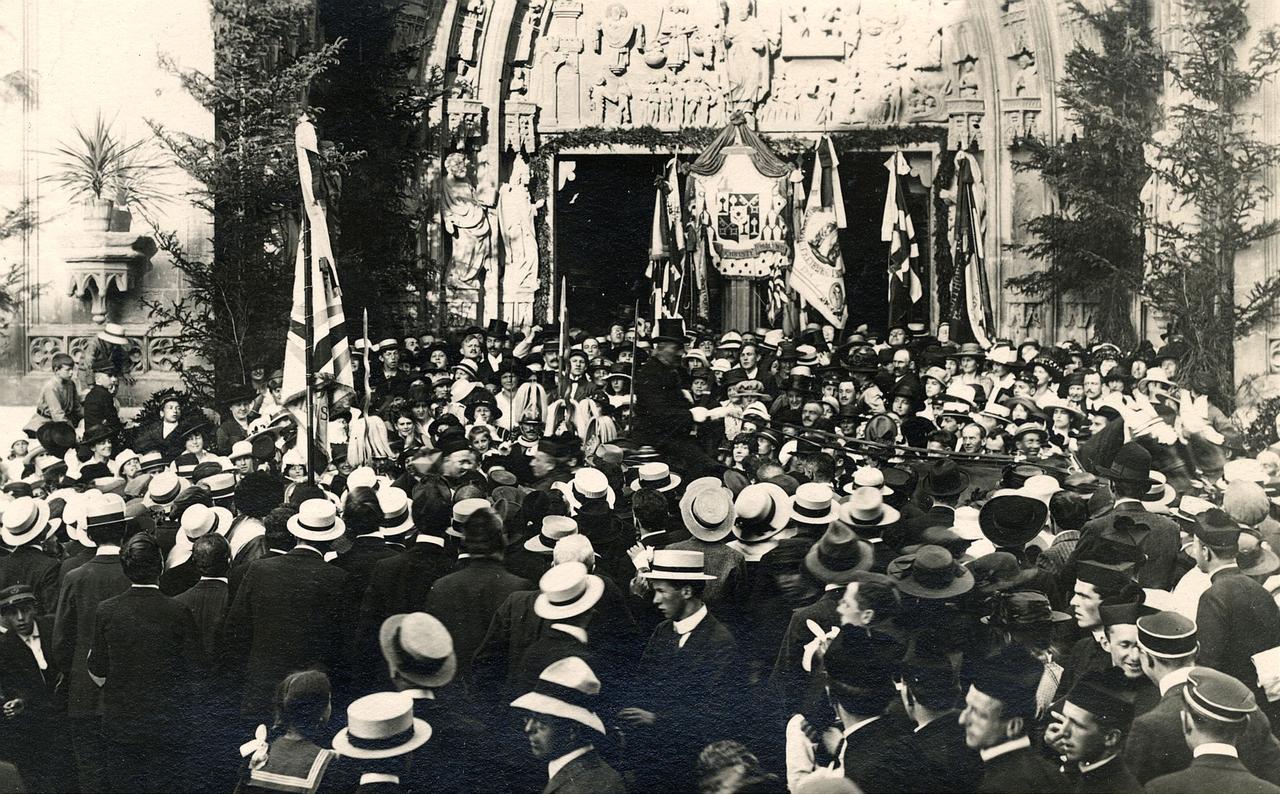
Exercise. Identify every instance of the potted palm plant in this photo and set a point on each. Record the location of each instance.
(106, 174)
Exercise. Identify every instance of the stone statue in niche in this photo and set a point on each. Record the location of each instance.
(615, 36)
(749, 49)
(933, 53)
(813, 29)
(466, 221)
(611, 100)
(675, 27)
(1024, 75)
(967, 79)
(516, 214)
(528, 28)
(472, 19)
(519, 80)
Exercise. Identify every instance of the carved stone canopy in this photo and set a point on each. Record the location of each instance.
(94, 267)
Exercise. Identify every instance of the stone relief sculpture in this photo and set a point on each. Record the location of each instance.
(528, 29)
(516, 216)
(1024, 75)
(967, 79)
(466, 221)
(675, 27)
(813, 29)
(749, 49)
(610, 100)
(615, 36)
(473, 15)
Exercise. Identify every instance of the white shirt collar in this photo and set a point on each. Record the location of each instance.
(1173, 678)
(106, 549)
(577, 632)
(137, 586)
(687, 625)
(379, 777)
(1214, 748)
(1089, 767)
(435, 540)
(222, 579)
(831, 587)
(987, 753)
(859, 724)
(303, 545)
(555, 766)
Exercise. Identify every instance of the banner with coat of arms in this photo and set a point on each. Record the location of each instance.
(817, 274)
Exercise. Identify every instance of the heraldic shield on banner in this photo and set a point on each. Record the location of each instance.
(817, 274)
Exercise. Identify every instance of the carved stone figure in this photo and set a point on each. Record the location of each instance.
(528, 28)
(466, 220)
(1024, 78)
(749, 48)
(675, 27)
(611, 100)
(615, 35)
(472, 19)
(967, 79)
(813, 29)
(516, 216)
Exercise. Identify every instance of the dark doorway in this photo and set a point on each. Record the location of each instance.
(603, 219)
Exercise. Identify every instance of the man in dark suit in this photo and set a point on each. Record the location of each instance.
(568, 594)
(998, 708)
(208, 598)
(466, 600)
(1214, 712)
(32, 730)
(24, 524)
(100, 407)
(236, 425)
(145, 656)
(291, 612)
(1090, 732)
(561, 723)
(1155, 747)
(363, 514)
(1237, 616)
(164, 435)
(82, 590)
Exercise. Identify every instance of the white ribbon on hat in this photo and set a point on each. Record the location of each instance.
(818, 643)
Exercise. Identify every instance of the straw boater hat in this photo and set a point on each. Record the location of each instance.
(25, 520)
(588, 484)
(316, 520)
(552, 530)
(656, 477)
(868, 477)
(462, 510)
(763, 509)
(811, 507)
(567, 689)
(865, 508)
(418, 649)
(708, 510)
(396, 517)
(241, 449)
(567, 590)
(381, 725)
(163, 489)
(222, 487)
(113, 333)
(199, 520)
(677, 565)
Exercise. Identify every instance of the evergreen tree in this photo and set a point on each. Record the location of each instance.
(1092, 243)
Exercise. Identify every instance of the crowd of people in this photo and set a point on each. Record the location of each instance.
(659, 559)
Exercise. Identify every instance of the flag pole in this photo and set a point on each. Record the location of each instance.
(309, 315)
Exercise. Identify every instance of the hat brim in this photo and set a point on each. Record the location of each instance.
(391, 652)
(421, 733)
(1269, 563)
(677, 576)
(296, 529)
(698, 530)
(638, 485)
(959, 586)
(832, 576)
(539, 703)
(37, 528)
(543, 608)
(962, 482)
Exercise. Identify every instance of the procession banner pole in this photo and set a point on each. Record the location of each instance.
(367, 396)
(309, 315)
(634, 339)
(563, 336)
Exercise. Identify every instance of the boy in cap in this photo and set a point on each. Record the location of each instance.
(1089, 734)
(999, 708)
(58, 401)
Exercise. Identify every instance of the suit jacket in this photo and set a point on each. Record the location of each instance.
(465, 745)
(1112, 777)
(661, 409)
(180, 578)
(100, 408)
(496, 664)
(152, 438)
(82, 590)
(29, 565)
(1212, 773)
(1236, 619)
(290, 613)
(934, 758)
(359, 560)
(399, 582)
(147, 647)
(466, 600)
(1019, 772)
(586, 774)
(1155, 746)
(229, 432)
(788, 676)
(863, 755)
(208, 600)
(1156, 535)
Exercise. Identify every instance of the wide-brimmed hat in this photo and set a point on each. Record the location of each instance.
(56, 438)
(944, 478)
(931, 572)
(708, 510)
(1254, 556)
(566, 590)
(381, 725)
(1052, 367)
(567, 689)
(25, 520)
(552, 530)
(99, 432)
(679, 565)
(199, 520)
(239, 393)
(419, 649)
(1021, 608)
(763, 509)
(656, 476)
(1132, 464)
(838, 555)
(113, 333)
(812, 506)
(969, 349)
(865, 508)
(1010, 519)
(316, 520)
(397, 519)
(1027, 428)
(462, 510)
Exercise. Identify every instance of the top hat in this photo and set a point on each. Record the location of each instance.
(669, 329)
(1011, 520)
(381, 725)
(498, 329)
(567, 689)
(945, 478)
(316, 520)
(932, 573)
(708, 512)
(838, 555)
(419, 649)
(567, 590)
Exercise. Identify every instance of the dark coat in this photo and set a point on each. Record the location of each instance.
(399, 583)
(100, 408)
(788, 676)
(586, 774)
(1018, 772)
(1156, 535)
(466, 600)
(208, 601)
(359, 560)
(496, 664)
(460, 745)
(290, 613)
(864, 750)
(74, 555)
(526, 564)
(180, 578)
(934, 758)
(147, 647)
(661, 409)
(1212, 773)
(31, 566)
(1236, 619)
(1112, 777)
(83, 589)
(551, 647)
(229, 432)
(1155, 745)
(151, 439)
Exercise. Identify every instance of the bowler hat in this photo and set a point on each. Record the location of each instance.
(1132, 464)
(945, 478)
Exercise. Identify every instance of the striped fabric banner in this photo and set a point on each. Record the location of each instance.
(898, 231)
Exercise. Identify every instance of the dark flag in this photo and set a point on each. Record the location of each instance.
(905, 289)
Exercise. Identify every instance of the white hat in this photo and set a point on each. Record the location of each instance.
(362, 477)
(163, 489)
(418, 648)
(567, 590)
(122, 458)
(567, 689)
(198, 520)
(381, 725)
(587, 483)
(25, 520)
(656, 477)
(866, 508)
(103, 509)
(811, 506)
(763, 510)
(462, 510)
(965, 524)
(113, 333)
(241, 449)
(317, 520)
(396, 517)
(868, 477)
(1041, 486)
(552, 530)
(678, 565)
(707, 510)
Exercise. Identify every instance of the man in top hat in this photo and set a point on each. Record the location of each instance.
(25, 523)
(145, 656)
(466, 600)
(1131, 523)
(100, 407)
(83, 589)
(999, 708)
(561, 723)
(381, 735)
(496, 357)
(1155, 746)
(291, 612)
(1216, 710)
(58, 401)
(1089, 734)
(1228, 639)
(688, 672)
(235, 427)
